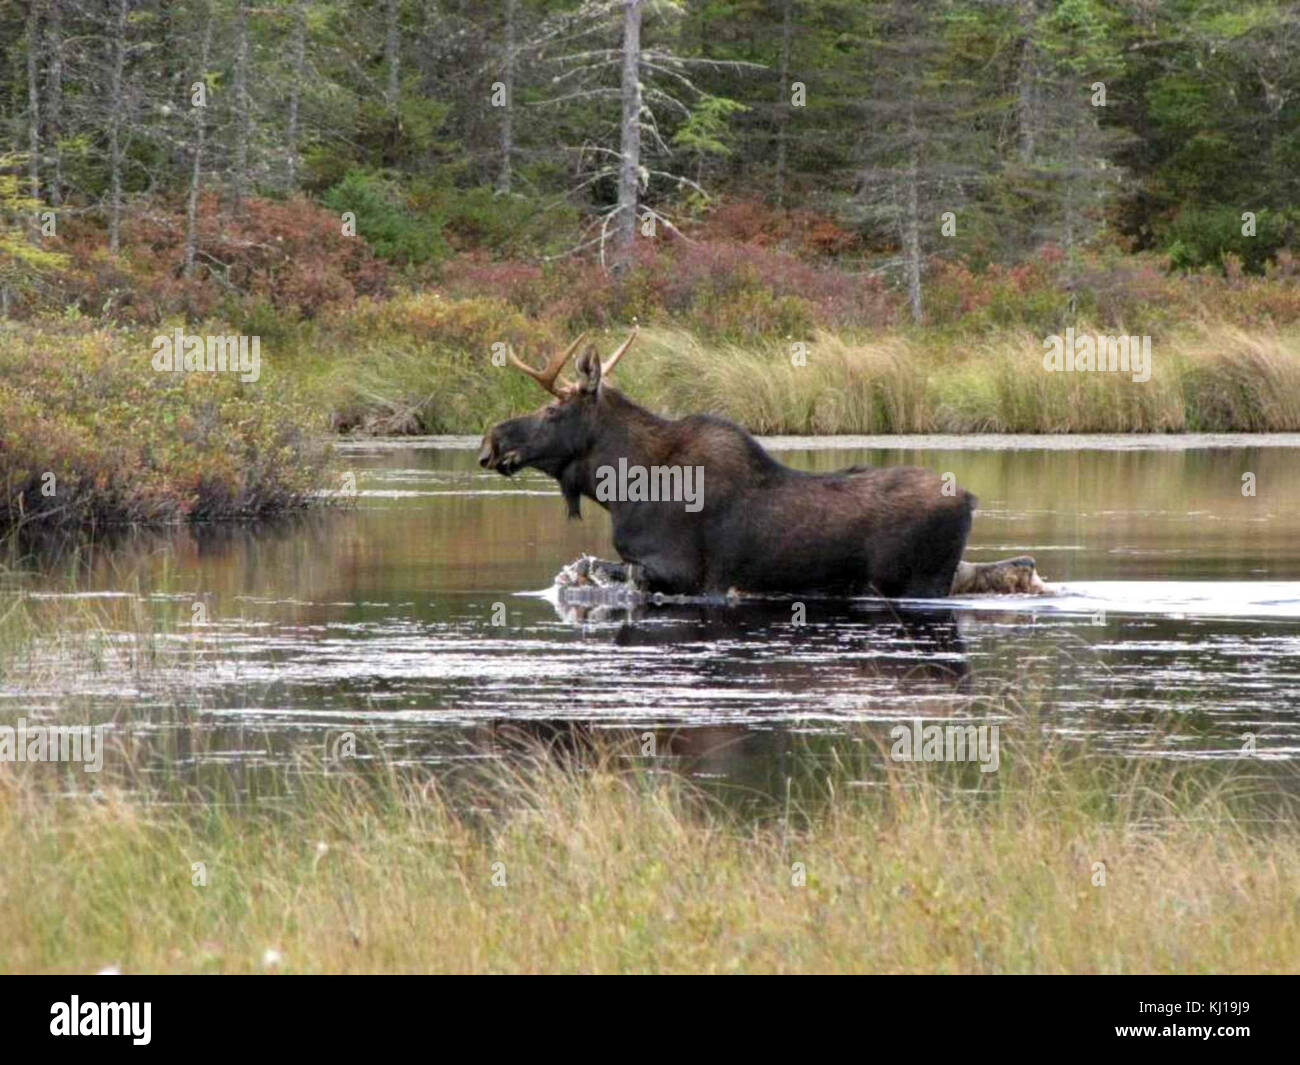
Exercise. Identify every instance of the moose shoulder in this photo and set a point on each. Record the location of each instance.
(701, 507)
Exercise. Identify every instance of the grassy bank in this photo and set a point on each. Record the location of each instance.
(422, 363)
(92, 435)
(126, 443)
(617, 869)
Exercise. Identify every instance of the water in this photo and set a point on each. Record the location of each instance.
(414, 620)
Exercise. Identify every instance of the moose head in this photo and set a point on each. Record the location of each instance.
(556, 437)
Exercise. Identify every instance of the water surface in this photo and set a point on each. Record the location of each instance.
(413, 619)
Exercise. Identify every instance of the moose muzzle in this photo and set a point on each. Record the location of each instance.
(491, 457)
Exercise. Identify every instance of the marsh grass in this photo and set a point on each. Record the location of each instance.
(609, 862)
(1210, 379)
(424, 366)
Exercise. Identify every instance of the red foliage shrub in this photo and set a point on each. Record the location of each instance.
(719, 287)
(291, 255)
(801, 232)
(747, 271)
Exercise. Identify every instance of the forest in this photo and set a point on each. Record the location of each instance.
(533, 131)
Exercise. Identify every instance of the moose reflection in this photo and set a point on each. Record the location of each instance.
(907, 665)
(754, 630)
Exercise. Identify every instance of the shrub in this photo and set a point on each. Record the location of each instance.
(1201, 237)
(385, 220)
(96, 436)
(290, 255)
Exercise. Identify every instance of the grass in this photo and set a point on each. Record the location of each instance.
(422, 363)
(437, 377)
(1209, 379)
(602, 865)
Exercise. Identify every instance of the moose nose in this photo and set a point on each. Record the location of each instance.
(485, 454)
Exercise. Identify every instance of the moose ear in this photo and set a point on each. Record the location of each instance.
(589, 369)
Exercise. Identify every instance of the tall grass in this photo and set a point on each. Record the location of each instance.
(1209, 379)
(602, 865)
(434, 374)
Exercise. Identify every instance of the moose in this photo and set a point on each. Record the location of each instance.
(756, 525)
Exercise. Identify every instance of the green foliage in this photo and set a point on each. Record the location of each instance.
(707, 129)
(503, 225)
(1201, 237)
(1082, 34)
(385, 221)
(21, 260)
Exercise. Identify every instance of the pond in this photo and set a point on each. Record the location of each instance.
(413, 621)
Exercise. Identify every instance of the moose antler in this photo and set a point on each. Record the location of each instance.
(607, 367)
(546, 377)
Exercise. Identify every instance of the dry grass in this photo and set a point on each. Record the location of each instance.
(423, 364)
(1211, 378)
(606, 868)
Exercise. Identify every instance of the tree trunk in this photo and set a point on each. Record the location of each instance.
(630, 161)
(1027, 115)
(34, 107)
(912, 220)
(783, 107)
(241, 102)
(507, 112)
(1068, 219)
(54, 93)
(298, 58)
(391, 58)
(196, 173)
(117, 105)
